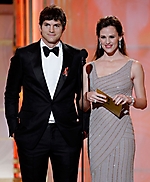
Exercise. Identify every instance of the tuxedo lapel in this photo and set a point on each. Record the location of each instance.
(35, 56)
(67, 57)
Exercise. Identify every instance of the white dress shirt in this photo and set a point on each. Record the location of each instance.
(52, 66)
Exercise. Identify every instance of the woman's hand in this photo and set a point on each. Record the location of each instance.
(122, 99)
(96, 97)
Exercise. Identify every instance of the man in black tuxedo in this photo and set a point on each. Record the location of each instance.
(48, 124)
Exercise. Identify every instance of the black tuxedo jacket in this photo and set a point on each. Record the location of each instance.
(26, 74)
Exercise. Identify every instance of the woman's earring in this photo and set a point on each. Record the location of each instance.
(120, 44)
(100, 45)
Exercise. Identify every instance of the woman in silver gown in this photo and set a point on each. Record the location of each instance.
(111, 138)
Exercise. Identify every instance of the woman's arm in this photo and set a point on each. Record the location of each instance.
(84, 103)
(137, 74)
(87, 96)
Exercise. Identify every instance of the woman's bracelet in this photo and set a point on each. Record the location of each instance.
(132, 101)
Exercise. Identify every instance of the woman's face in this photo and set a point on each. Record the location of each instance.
(109, 39)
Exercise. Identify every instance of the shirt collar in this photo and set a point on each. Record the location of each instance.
(59, 44)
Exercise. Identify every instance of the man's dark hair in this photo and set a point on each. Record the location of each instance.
(53, 12)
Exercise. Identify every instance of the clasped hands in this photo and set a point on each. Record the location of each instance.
(118, 99)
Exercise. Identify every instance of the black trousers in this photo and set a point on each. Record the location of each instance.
(64, 158)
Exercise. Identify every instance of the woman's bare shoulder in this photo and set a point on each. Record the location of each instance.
(136, 63)
(137, 67)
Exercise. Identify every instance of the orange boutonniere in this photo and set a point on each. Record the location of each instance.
(65, 72)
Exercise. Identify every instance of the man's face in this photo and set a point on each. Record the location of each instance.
(51, 32)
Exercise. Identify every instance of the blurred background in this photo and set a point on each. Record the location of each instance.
(19, 27)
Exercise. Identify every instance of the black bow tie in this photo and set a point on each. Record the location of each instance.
(46, 50)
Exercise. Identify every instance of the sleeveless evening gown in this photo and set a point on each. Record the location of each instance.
(111, 140)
